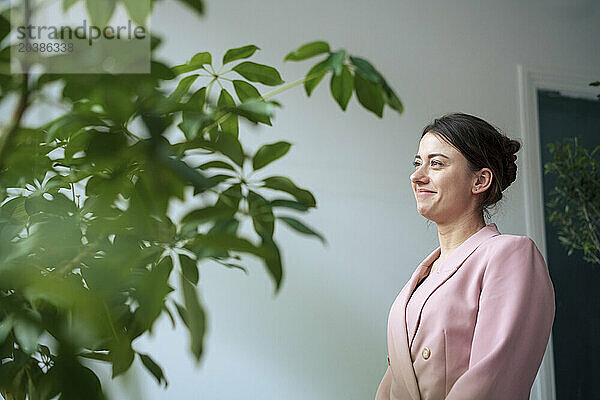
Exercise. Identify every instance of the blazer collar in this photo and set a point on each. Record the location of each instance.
(443, 272)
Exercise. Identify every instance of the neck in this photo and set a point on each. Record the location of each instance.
(453, 235)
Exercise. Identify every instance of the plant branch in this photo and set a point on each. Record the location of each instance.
(22, 104)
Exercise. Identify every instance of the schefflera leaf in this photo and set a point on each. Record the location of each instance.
(262, 215)
(153, 368)
(268, 153)
(333, 62)
(285, 184)
(342, 86)
(196, 62)
(372, 88)
(193, 317)
(255, 72)
(230, 124)
(308, 50)
(239, 53)
(369, 94)
(301, 227)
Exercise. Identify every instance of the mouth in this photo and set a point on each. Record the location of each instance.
(424, 193)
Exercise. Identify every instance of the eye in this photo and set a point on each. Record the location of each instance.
(433, 162)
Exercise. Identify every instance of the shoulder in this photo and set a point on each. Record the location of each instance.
(508, 252)
(504, 243)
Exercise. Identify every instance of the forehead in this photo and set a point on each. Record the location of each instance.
(435, 143)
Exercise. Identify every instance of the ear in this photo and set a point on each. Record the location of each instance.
(482, 181)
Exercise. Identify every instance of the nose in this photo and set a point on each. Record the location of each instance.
(420, 175)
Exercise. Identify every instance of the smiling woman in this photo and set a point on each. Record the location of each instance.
(461, 151)
(477, 327)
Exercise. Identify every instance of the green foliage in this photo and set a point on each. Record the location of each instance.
(595, 83)
(574, 208)
(90, 258)
(371, 88)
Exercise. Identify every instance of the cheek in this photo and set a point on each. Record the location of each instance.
(454, 187)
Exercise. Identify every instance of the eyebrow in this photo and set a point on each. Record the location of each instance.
(433, 155)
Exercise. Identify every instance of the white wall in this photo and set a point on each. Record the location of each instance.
(323, 336)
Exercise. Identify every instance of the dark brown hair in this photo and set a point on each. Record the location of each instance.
(484, 147)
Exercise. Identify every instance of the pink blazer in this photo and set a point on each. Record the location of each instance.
(482, 330)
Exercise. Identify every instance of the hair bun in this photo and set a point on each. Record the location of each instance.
(510, 147)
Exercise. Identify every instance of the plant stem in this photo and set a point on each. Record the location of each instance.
(22, 105)
(291, 85)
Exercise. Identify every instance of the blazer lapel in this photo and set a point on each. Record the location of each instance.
(447, 268)
(401, 362)
(397, 330)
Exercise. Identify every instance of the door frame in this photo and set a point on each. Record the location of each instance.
(573, 84)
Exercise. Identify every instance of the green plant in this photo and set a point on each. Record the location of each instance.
(574, 208)
(595, 83)
(89, 255)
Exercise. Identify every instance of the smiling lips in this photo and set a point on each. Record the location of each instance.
(424, 192)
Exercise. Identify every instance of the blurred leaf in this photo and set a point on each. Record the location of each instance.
(207, 214)
(196, 319)
(256, 110)
(27, 330)
(189, 268)
(216, 164)
(138, 10)
(188, 174)
(229, 125)
(6, 327)
(4, 27)
(122, 356)
(100, 11)
(286, 185)
(150, 291)
(273, 262)
(262, 215)
(153, 368)
(301, 227)
(227, 145)
(288, 204)
(183, 87)
(196, 5)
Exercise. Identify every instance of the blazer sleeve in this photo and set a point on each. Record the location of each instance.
(383, 391)
(514, 320)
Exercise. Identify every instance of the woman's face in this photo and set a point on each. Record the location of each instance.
(451, 188)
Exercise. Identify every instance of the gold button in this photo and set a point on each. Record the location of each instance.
(388, 357)
(426, 353)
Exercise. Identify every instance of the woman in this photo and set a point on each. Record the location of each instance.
(474, 320)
